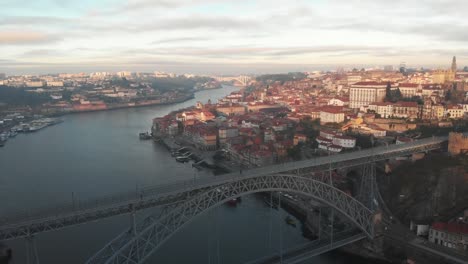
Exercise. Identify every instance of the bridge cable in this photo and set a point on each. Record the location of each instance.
(208, 244)
(332, 228)
(280, 229)
(271, 222)
(218, 256)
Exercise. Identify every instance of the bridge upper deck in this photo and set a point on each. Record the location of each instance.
(86, 211)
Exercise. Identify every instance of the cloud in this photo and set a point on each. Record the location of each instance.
(442, 32)
(32, 20)
(143, 4)
(180, 23)
(43, 53)
(234, 31)
(214, 22)
(25, 38)
(181, 39)
(274, 53)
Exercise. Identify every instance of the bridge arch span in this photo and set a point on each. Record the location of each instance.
(137, 245)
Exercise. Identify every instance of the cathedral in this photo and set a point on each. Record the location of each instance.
(443, 76)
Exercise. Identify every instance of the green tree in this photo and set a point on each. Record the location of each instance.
(66, 95)
(448, 95)
(388, 93)
(397, 95)
(295, 152)
(311, 127)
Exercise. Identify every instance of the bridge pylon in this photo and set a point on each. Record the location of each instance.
(366, 190)
(32, 256)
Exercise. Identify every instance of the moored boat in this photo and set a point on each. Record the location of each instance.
(144, 136)
(3, 139)
(290, 221)
(182, 159)
(232, 202)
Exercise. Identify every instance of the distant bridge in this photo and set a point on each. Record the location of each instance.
(241, 79)
(185, 200)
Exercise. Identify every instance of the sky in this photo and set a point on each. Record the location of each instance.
(228, 36)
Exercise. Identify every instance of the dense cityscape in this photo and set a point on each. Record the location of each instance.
(280, 118)
(234, 132)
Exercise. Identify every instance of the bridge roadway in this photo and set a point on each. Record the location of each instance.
(81, 212)
(314, 248)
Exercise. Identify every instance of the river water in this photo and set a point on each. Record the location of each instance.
(96, 154)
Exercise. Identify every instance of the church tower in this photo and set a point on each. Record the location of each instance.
(454, 64)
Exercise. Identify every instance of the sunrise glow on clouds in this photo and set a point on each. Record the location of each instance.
(218, 36)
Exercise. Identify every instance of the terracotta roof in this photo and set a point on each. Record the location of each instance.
(451, 227)
(412, 85)
(405, 139)
(371, 84)
(381, 103)
(406, 104)
(345, 137)
(454, 107)
(319, 138)
(332, 109)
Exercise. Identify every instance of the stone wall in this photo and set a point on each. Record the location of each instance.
(458, 143)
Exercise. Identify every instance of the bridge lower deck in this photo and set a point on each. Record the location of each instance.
(307, 251)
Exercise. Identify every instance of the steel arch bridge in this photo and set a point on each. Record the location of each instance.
(171, 197)
(137, 244)
(242, 79)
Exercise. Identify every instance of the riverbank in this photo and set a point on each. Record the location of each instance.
(200, 159)
(23, 125)
(115, 106)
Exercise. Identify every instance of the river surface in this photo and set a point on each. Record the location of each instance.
(99, 153)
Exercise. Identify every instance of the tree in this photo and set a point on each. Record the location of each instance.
(295, 152)
(388, 93)
(311, 127)
(66, 95)
(397, 95)
(448, 95)
(465, 69)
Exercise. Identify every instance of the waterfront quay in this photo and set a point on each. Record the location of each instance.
(13, 124)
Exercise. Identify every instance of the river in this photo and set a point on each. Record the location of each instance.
(99, 153)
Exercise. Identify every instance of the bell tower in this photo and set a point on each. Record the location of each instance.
(454, 64)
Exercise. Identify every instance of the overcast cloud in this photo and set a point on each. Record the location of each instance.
(244, 36)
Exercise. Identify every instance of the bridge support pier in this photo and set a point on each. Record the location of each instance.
(134, 229)
(32, 256)
(366, 194)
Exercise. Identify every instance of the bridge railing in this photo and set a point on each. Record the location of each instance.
(149, 192)
(83, 206)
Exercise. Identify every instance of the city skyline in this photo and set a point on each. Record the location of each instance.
(227, 37)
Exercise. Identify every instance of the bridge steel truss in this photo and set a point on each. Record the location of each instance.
(27, 225)
(136, 245)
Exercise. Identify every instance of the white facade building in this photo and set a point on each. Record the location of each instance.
(451, 235)
(331, 115)
(409, 90)
(35, 84)
(364, 93)
(55, 83)
(344, 141)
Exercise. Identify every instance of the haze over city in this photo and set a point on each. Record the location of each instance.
(234, 131)
(228, 37)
